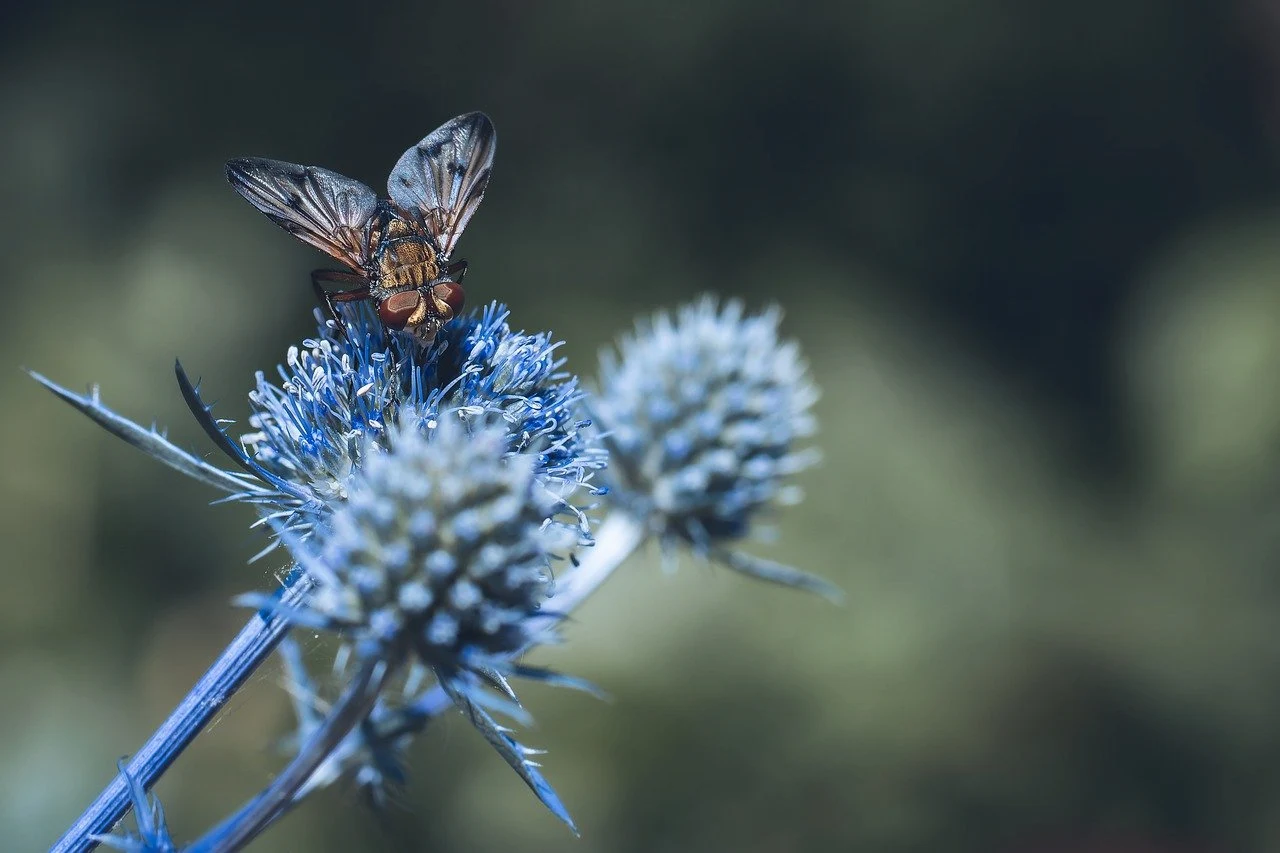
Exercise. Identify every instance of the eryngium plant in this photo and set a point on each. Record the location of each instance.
(425, 496)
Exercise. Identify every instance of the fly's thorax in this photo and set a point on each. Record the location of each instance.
(403, 262)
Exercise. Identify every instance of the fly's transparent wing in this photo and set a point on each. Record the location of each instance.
(439, 182)
(331, 212)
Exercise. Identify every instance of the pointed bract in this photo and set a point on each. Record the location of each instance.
(156, 445)
(153, 833)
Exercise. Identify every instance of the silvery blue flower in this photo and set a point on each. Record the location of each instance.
(443, 545)
(441, 552)
(337, 396)
(703, 415)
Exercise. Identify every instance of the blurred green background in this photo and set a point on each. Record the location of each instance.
(1031, 248)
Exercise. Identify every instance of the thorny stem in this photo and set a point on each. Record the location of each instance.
(251, 647)
(354, 705)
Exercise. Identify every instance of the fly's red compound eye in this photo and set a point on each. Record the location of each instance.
(396, 309)
(450, 293)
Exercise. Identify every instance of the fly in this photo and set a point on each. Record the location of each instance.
(397, 251)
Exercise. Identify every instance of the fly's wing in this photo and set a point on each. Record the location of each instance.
(439, 182)
(331, 212)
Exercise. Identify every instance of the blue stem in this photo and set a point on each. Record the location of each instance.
(245, 653)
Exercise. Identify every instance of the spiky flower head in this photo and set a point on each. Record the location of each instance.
(443, 546)
(442, 551)
(339, 394)
(703, 414)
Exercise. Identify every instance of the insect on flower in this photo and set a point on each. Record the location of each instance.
(397, 250)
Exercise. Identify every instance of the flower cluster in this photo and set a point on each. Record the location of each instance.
(425, 496)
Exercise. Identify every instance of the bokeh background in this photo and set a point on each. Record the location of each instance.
(1032, 250)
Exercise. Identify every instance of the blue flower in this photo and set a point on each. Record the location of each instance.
(703, 416)
(442, 551)
(339, 394)
(444, 545)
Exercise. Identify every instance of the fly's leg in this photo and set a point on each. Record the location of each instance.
(331, 299)
(456, 271)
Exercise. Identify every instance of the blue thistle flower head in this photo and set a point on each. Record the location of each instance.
(441, 550)
(443, 546)
(426, 491)
(703, 415)
(339, 395)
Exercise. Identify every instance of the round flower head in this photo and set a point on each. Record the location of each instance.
(442, 552)
(442, 548)
(701, 415)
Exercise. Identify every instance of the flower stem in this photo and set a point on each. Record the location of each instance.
(250, 648)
